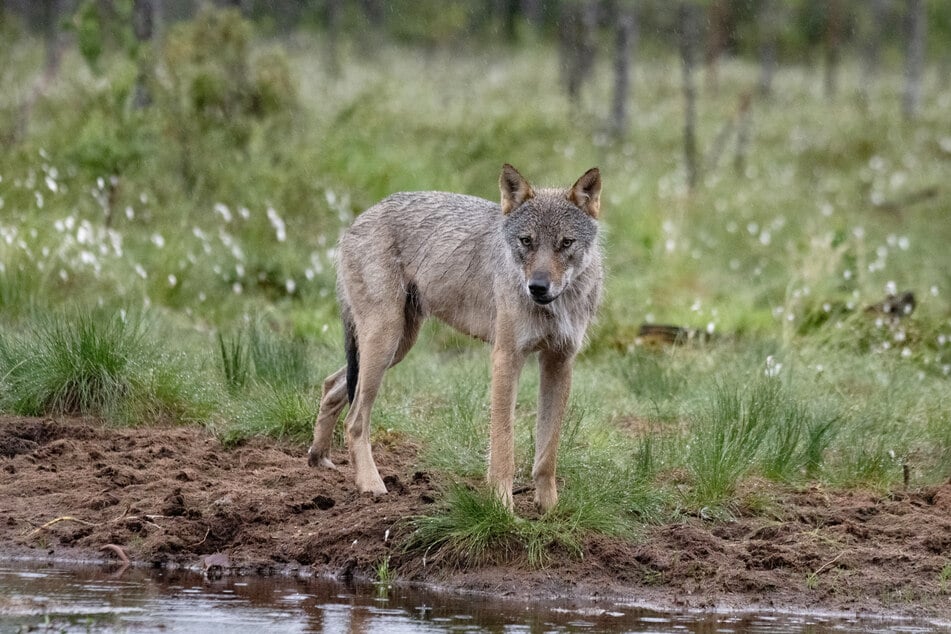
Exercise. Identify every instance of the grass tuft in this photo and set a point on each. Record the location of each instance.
(272, 410)
(96, 363)
(279, 361)
(83, 363)
(235, 360)
(724, 441)
(473, 528)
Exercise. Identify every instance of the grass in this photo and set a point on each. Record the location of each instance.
(217, 243)
(944, 577)
(93, 362)
(724, 441)
(476, 529)
(235, 361)
(384, 578)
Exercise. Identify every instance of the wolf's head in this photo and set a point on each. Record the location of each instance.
(552, 233)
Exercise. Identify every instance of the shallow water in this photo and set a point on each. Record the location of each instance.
(79, 599)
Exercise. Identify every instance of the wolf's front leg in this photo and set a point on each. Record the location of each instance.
(554, 386)
(506, 367)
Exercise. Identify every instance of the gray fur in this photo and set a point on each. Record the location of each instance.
(525, 276)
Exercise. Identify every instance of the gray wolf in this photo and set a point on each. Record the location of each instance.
(524, 276)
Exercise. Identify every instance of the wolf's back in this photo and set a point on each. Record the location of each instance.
(446, 248)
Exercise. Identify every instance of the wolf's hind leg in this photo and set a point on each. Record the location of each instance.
(332, 401)
(379, 343)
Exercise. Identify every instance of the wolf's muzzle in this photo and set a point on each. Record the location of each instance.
(539, 287)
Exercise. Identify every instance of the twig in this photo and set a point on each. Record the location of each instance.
(124, 513)
(65, 518)
(147, 519)
(207, 532)
(827, 564)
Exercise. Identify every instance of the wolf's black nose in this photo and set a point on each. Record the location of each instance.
(539, 285)
(538, 289)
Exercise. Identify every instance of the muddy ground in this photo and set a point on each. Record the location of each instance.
(175, 496)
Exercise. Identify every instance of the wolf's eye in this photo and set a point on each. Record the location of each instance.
(526, 241)
(567, 242)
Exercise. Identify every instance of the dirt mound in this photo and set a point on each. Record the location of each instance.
(175, 495)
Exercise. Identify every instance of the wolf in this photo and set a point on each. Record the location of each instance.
(525, 276)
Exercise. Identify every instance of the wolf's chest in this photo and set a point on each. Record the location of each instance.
(555, 327)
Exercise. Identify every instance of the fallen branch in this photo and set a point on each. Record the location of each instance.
(827, 564)
(64, 518)
(909, 199)
(207, 532)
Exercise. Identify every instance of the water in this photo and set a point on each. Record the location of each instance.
(81, 599)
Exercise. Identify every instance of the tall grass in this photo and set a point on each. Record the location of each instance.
(279, 360)
(92, 362)
(81, 364)
(271, 380)
(724, 442)
(272, 410)
(235, 360)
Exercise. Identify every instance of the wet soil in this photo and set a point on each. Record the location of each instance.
(173, 496)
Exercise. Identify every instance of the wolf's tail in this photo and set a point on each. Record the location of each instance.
(353, 354)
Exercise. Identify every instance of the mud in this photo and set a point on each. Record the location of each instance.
(173, 496)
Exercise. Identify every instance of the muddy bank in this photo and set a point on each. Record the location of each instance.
(165, 496)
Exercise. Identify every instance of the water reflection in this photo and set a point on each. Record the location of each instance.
(66, 598)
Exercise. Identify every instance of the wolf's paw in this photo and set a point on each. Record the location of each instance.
(504, 493)
(546, 496)
(319, 459)
(371, 484)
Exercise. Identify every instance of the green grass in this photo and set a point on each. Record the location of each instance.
(272, 410)
(81, 365)
(476, 529)
(384, 578)
(94, 362)
(235, 360)
(220, 234)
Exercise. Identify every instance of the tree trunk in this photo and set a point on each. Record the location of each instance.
(374, 12)
(569, 24)
(332, 14)
(914, 58)
(578, 24)
(833, 36)
(369, 35)
(766, 29)
(688, 39)
(744, 123)
(143, 25)
(716, 41)
(873, 32)
(532, 10)
(626, 40)
(52, 10)
(51, 13)
(508, 11)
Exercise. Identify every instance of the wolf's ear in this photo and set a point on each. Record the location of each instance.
(515, 189)
(586, 193)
